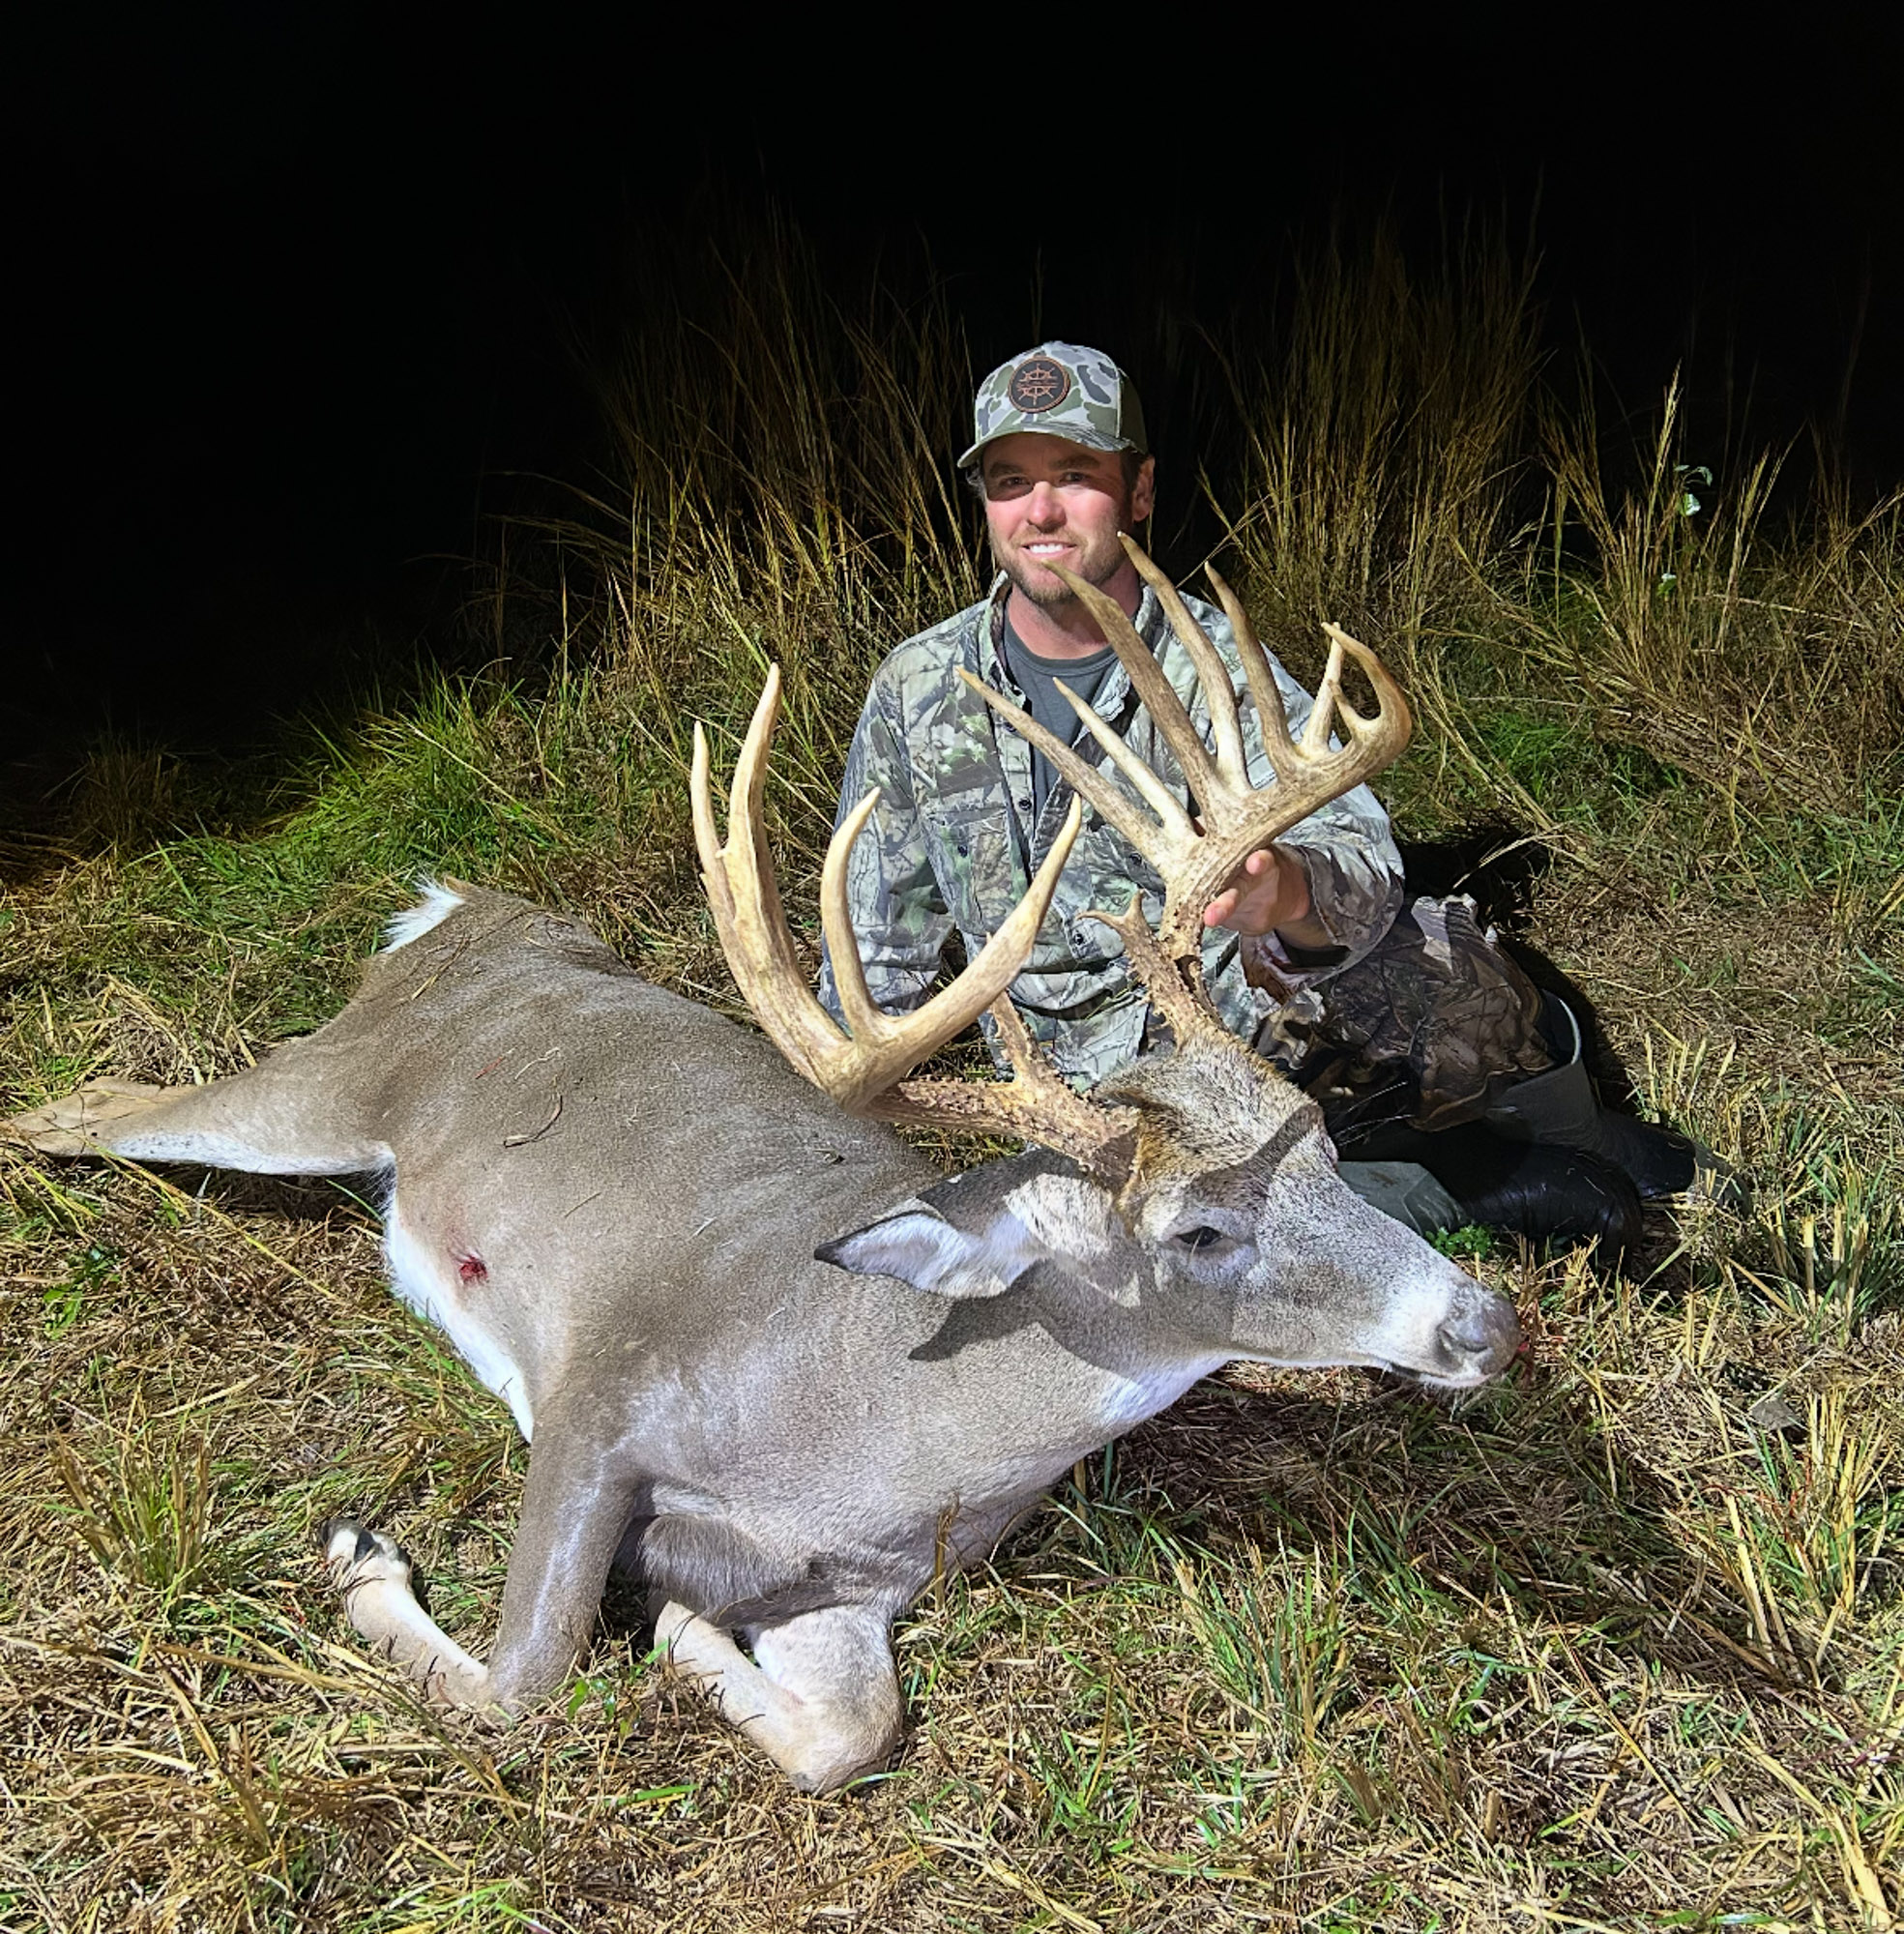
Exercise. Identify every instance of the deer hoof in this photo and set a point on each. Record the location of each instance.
(73, 1125)
(354, 1555)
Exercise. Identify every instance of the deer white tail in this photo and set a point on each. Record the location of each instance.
(436, 906)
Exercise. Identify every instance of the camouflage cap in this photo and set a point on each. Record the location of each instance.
(1058, 388)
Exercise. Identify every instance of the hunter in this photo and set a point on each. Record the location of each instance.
(1456, 1086)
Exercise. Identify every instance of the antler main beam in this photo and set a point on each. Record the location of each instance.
(1197, 857)
(862, 1064)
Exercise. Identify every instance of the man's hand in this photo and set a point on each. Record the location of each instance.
(1270, 893)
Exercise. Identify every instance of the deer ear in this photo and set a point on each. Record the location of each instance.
(921, 1248)
(976, 1234)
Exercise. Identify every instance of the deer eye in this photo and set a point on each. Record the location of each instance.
(1201, 1236)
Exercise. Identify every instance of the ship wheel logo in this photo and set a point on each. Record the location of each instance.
(1038, 385)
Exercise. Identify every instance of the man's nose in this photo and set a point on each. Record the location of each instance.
(1045, 506)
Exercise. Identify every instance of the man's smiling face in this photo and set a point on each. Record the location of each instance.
(1049, 499)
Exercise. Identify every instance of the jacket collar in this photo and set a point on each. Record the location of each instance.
(1149, 623)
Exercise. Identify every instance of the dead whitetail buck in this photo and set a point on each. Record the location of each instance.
(773, 1363)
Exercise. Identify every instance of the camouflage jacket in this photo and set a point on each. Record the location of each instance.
(951, 843)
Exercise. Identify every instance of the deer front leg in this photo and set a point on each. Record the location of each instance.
(820, 1696)
(575, 1510)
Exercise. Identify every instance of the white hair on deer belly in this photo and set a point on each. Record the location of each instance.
(436, 906)
(426, 1282)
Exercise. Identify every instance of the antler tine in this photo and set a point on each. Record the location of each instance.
(746, 897)
(1308, 775)
(1329, 701)
(904, 1040)
(1198, 857)
(1391, 713)
(862, 1012)
(1086, 780)
(1173, 982)
(1159, 694)
(1037, 1104)
(765, 962)
(1212, 672)
(1270, 713)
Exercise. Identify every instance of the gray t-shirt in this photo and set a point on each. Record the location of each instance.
(1036, 678)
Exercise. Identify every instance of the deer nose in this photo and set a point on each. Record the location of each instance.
(1482, 1331)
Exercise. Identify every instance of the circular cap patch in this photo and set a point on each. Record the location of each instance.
(1037, 385)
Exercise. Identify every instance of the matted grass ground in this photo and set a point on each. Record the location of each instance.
(1618, 1643)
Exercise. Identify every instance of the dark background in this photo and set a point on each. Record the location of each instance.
(289, 295)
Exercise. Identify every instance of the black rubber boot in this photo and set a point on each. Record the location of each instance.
(1561, 1109)
(1527, 1188)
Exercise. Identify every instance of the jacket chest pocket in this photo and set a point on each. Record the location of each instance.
(973, 859)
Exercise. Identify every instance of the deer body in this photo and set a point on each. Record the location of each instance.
(768, 1356)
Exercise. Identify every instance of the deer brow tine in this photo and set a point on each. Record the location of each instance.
(1219, 693)
(1159, 694)
(1084, 781)
(1272, 714)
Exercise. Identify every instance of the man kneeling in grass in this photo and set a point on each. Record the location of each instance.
(1454, 1087)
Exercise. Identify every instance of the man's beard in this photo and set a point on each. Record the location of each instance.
(1053, 594)
(1050, 595)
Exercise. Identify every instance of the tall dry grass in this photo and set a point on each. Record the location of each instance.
(783, 493)
(1409, 466)
(1758, 647)
(1386, 433)
(1412, 467)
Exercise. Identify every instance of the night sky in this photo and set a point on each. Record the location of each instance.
(289, 294)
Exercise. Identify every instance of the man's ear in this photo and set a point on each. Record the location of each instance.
(1143, 492)
(974, 1235)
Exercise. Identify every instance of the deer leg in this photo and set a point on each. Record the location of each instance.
(85, 1119)
(374, 1573)
(575, 1510)
(290, 1115)
(820, 1696)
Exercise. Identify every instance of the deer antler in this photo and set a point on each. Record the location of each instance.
(1196, 860)
(861, 1068)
